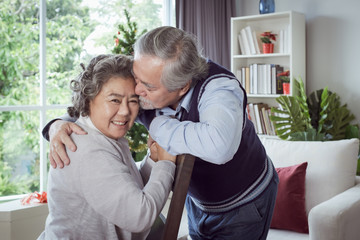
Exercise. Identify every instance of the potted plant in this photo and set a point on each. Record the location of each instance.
(285, 80)
(317, 117)
(266, 39)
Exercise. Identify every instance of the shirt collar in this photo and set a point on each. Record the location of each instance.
(186, 100)
(184, 103)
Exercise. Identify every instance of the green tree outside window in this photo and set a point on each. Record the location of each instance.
(69, 24)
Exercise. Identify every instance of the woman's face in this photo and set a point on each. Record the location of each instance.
(114, 110)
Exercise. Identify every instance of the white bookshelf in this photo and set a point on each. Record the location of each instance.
(293, 58)
(290, 58)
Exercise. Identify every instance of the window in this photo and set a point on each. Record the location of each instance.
(38, 58)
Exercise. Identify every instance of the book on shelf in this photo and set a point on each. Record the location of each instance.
(261, 78)
(258, 120)
(251, 41)
(267, 121)
(252, 116)
(245, 42)
(247, 79)
(273, 78)
(262, 118)
(254, 78)
(251, 78)
(283, 40)
(256, 42)
(248, 41)
(268, 78)
(243, 75)
(272, 127)
(241, 44)
(279, 88)
(259, 114)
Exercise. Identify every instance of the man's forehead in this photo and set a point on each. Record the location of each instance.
(153, 59)
(147, 71)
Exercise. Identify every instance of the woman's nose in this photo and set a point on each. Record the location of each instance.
(124, 109)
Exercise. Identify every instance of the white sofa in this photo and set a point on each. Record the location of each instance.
(332, 189)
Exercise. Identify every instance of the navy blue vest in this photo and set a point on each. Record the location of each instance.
(211, 183)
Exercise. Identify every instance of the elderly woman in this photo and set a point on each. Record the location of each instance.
(101, 194)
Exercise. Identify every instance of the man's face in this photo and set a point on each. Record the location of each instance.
(153, 94)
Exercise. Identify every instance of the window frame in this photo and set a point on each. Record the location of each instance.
(43, 107)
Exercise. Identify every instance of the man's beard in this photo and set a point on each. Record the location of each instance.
(146, 104)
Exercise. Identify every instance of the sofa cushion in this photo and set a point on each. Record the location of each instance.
(289, 212)
(331, 165)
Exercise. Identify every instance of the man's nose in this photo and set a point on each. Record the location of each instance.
(139, 89)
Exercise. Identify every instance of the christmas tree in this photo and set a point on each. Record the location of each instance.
(124, 41)
(126, 36)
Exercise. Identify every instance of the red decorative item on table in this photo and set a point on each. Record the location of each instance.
(34, 198)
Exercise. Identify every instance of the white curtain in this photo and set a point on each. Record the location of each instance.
(209, 20)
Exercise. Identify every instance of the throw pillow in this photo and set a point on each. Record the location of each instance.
(290, 211)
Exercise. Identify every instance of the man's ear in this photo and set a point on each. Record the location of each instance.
(185, 89)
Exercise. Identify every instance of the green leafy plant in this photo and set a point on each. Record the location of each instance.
(67, 26)
(318, 117)
(124, 41)
(10, 185)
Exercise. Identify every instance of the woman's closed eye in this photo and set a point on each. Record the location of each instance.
(116, 100)
(135, 101)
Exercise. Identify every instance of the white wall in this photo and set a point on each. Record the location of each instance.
(332, 41)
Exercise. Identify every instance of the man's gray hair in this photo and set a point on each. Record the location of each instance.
(180, 52)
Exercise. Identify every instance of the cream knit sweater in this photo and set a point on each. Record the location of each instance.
(101, 194)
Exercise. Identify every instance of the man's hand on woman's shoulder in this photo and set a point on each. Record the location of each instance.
(59, 135)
